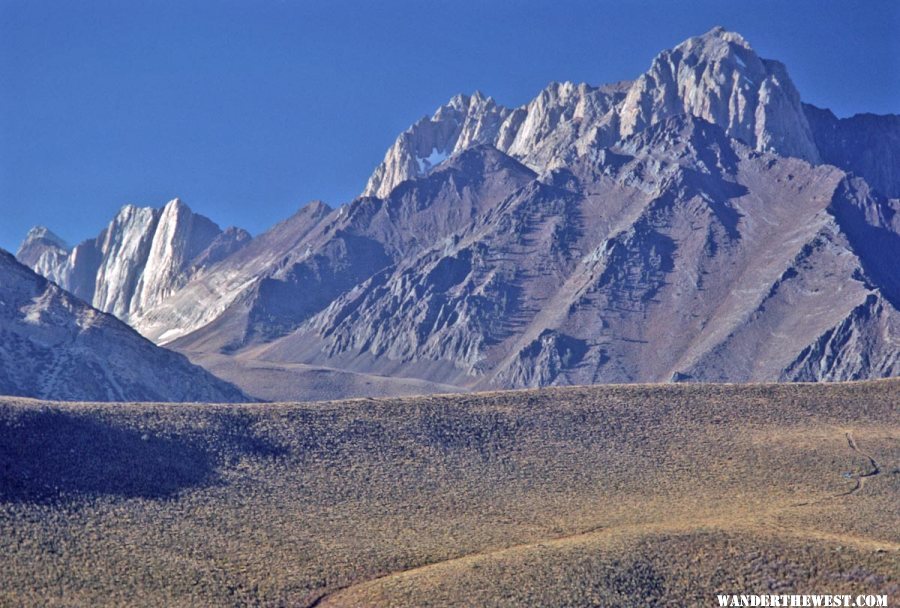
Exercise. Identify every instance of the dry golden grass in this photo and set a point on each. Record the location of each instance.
(617, 495)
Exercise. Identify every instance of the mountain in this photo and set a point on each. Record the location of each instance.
(699, 223)
(866, 144)
(680, 254)
(44, 252)
(141, 258)
(54, 346)
(222, 301)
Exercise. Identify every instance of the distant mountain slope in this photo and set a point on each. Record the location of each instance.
(297, 269)
(697, 223)
(680, 254)
(54, 346)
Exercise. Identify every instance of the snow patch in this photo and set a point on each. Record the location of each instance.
(432, 160)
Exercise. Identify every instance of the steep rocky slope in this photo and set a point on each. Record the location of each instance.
(217, 306)
(678, 254)
(54, 346)
(297, 269)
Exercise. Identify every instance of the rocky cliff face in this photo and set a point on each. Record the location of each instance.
(865, 344)
(54, 346)
(463, 122)
(141, 258)
(717, 77)
(44, 252)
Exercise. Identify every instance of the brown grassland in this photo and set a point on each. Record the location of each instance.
(599, 496)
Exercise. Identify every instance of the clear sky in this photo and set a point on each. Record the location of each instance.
(248, 109)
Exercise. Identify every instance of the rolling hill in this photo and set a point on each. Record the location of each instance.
(582, 496)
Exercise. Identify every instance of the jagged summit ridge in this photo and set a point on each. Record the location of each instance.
(44, 235)
(717, 77)
(461, 123)
(44, 252)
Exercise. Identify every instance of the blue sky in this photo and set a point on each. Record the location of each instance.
(248, 109)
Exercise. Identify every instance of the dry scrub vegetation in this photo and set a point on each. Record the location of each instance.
(600, 496)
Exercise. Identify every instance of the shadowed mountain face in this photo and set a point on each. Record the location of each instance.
(866, 144)
(54, 346)
(698, 223)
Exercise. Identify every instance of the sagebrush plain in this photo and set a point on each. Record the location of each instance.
(602, 496)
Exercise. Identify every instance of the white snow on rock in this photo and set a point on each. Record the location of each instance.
(429, 162)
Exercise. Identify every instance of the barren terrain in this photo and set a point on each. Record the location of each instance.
(609, 495)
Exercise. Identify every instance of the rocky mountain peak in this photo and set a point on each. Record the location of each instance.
(476, 102)
(176, 205)
(45, 236)
(462, 122)
(142, 255)
(719, 77)
(44, 251)
(315, 207)
(179, 237)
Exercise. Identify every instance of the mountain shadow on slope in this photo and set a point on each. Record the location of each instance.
(49, 456)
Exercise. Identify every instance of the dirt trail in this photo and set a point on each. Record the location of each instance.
(860, 479)
(324, 597)
(688, 526)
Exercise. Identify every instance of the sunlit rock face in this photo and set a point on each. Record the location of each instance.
(717, 77)
(137, 261)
